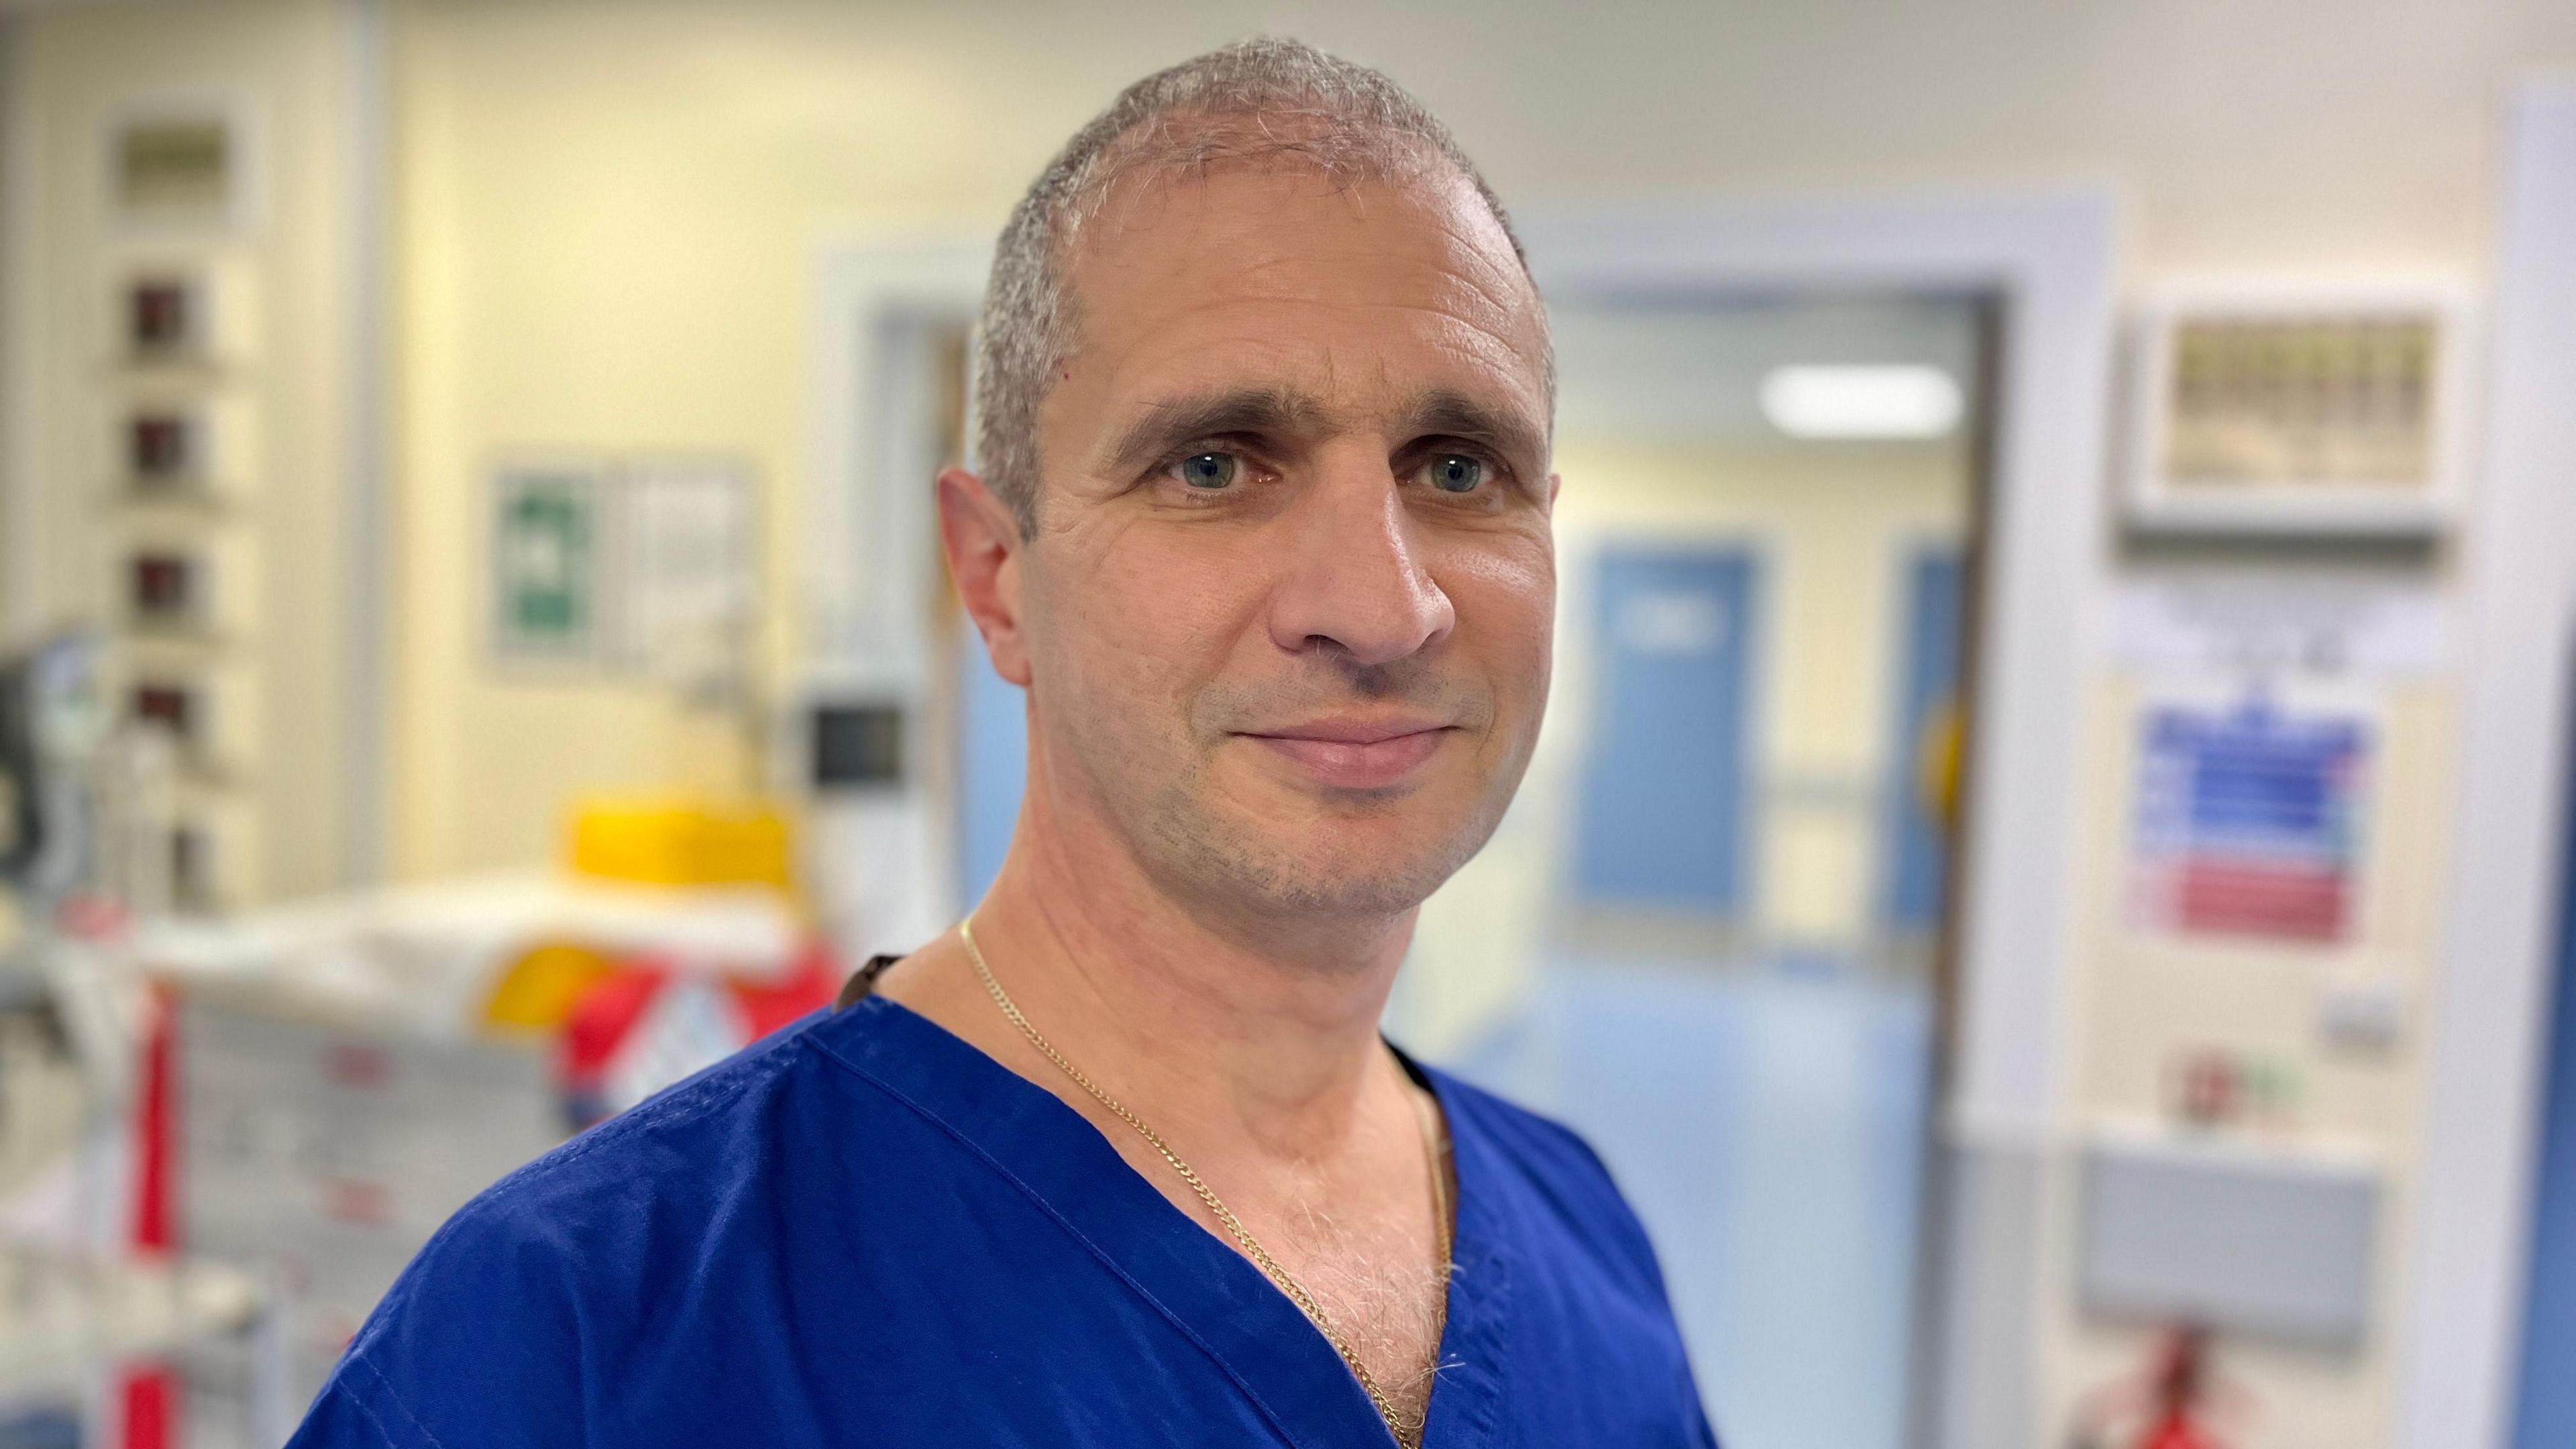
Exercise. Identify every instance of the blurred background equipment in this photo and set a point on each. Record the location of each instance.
(49, 723)
(349, 1071)
(2177, 1403)
(2051, 825)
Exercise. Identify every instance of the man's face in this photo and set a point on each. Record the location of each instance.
(1287, 606)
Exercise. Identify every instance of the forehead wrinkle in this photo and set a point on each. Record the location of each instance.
(1473, 313)
(1453, 330)
(1477, 256)
(1464, 301)
(1473, 256)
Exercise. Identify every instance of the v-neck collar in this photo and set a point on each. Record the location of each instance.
(1204, 1286)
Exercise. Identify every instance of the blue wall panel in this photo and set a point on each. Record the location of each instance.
(992, 767)
(1926, 685)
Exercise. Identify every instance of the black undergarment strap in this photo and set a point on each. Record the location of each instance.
(863, 982)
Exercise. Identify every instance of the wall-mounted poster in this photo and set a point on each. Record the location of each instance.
(2298, 408)
(2242, 622)
(2249, 822)
(689, 601)
(635, 565)
(545, 555)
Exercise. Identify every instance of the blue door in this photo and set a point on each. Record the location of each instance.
(1662, 815)
(1927, 689)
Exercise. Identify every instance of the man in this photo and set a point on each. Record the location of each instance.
(1264, 408)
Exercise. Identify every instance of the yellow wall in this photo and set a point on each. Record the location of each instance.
(609, 214)
(610, 223)
(273, 785)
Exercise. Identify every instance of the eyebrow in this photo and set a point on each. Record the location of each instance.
(1168, 424)
(1449, 413)
(1287, 412)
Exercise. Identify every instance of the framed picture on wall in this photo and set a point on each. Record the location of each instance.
(2314, 409)
(180, 161)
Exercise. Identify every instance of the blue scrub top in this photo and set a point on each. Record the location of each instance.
(865, 1232)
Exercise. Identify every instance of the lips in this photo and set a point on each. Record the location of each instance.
(1357, 754)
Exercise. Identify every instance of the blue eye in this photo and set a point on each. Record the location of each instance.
(1454, 473)
(1209, 470)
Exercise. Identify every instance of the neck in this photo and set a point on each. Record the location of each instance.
(1246, 1024)
(1229, 1029)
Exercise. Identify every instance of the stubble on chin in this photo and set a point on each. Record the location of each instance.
(1257, 849)
(1274, 860)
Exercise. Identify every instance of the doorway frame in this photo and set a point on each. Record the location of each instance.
(2048, 262)
(864, 587)
(862, 623)
(2469, 1247)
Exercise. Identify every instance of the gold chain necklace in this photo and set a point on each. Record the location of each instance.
(1216, 1207)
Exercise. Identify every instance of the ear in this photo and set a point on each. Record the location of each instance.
(981, 537)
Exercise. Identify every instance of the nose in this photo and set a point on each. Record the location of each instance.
(1352, 580)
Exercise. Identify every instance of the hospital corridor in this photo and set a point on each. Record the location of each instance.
(2046, 876)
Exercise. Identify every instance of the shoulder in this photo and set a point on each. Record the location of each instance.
(1591, 1306)
(1559, 1186)
(700, 1139)
(1539, 1147)
(500, 1329)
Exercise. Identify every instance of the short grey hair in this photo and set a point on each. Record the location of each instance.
(1264, 100)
